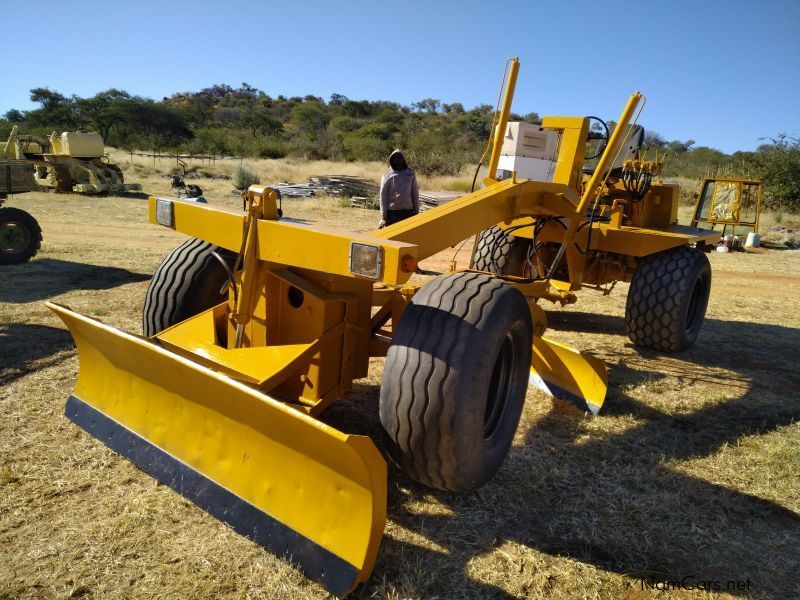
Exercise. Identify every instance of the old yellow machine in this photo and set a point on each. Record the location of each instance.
(70, 162)
(257, 323)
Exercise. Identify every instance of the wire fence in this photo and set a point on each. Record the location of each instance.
(180, 159)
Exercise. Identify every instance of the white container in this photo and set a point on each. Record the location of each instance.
(526, 168)
(528, 150)
(753, 240)
(530, 141)
(723, 249)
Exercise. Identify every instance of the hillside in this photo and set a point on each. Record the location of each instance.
(439, 138)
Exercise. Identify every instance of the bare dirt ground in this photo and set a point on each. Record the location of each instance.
(690, 474)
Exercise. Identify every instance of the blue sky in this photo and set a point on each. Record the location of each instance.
(722, 73)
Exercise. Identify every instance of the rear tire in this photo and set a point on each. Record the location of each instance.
(188, 281)
(668, 298)
(20, 236)
(455, 379)
(496, 251)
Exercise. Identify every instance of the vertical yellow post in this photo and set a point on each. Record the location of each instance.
(610, 153)
(505, 111)
(620, 131)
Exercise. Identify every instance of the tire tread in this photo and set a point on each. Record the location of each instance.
(174, 283)
(654, 311)
(419, 424)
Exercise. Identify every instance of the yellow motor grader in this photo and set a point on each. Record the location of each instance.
(71, 162)
(257, 323)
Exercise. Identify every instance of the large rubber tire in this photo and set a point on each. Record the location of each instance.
(668, 298)
(188, 281)
(455, 379)
(20, 236)
(509, 252)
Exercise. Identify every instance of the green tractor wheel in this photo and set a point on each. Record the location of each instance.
(20, 236)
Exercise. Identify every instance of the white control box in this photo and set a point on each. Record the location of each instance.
(529, 151)
(535, 169)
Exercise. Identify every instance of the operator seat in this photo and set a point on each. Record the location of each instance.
(632, 146)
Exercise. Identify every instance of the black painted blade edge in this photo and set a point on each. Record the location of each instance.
(558, 392)
(316, 562)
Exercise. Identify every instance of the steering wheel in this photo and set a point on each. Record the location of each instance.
(594, 135)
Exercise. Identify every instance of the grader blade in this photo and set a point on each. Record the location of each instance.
(568, 374)
(292, 484)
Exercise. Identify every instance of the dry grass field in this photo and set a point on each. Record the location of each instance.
(293, 170)
(691, 472)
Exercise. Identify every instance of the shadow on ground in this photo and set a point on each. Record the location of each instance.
(25, 348)
(614, 501)
(137, 195)
(48, 277)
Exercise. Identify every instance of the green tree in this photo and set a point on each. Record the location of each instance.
(142, 121)
(678, 147)
(259, 120)
(653, 139)
(98, 112)
(428, 105)
(778, 164)
(56, 110)
(310, 118)
(14, 115)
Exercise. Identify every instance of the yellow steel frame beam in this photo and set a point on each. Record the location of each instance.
(451, 223)
(217, 226)
(419, 237)
(287, 243)
(574, 133)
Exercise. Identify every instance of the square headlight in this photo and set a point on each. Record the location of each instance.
(365, 260)
(165, 212)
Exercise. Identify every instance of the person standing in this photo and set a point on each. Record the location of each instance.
(399, 196)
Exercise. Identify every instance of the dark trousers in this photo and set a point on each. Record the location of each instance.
(395, 216)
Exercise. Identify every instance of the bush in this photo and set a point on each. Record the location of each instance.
(373, 202)
(779, 167)
(435, 163)
(244, 178)
(364, 147)
(271, 149)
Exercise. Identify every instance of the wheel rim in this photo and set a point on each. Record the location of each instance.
(693, 315)
(14, 237)
(500, 385)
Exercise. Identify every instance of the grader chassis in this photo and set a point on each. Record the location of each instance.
(221, 399)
